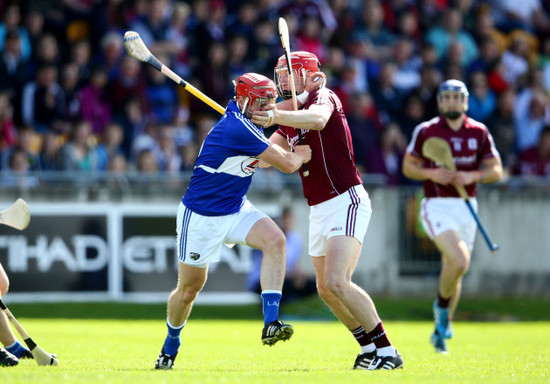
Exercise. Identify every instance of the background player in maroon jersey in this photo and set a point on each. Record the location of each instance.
(444, 214)
(340, 206)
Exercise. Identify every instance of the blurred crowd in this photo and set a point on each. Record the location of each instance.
(71, 99)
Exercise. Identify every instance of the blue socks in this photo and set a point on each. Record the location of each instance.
(16, 349)
(172, 342)
(271, 300)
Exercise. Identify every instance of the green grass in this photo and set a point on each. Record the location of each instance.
(230, 352)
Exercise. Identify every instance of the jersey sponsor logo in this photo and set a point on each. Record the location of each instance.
(465, 160)
(249, 166)
(194, 256)
(333, 229)
(472, 144)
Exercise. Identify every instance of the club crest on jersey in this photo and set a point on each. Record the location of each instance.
(194, 256)
(472, 144)
(249, 165)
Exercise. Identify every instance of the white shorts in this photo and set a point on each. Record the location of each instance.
(200, 238)
(345, 215)
(440, 214)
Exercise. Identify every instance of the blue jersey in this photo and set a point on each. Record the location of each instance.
(225, 165)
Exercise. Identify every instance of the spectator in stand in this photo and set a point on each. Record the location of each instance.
(110, 54)
(129, 83)
(188, 153)
(208, 30)
(26, 141)
(482, 100)
(385, 157)
(110, 145)
(413, 114)
(162, 96)
(450, 30)
(516, 61)
(244, 22)
(526, 14)
(133, 122)
(309, 37)
(18, 173)
(34, 22)
(81, 55)
(47, 51)
(11, 21)
(363, 126)
(49, 157)
(407, 74)
(370, 27)
(13, 67)
(153, 27)
(238, 53)
(177, 33)
(502, 125)
(94, 101)
(317, 9)
(168, 157)
(535, 161)
(430, 77)
(7, 127)
(79, 154)
(214, 77)
(146, 162)
(70, 83)
(43, 100)
(532, 112)
(388, 99)
(266, 45)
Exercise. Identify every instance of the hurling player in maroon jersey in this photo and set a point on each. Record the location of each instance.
(444, 214)
(340, 206)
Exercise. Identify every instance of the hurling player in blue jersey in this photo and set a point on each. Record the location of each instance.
(215, 211)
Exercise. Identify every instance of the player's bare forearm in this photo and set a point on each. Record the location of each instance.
(413, 169)
(285, 161)
(315, 118)
(491, 171)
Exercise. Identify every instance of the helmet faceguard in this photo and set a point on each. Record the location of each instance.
(302, 63)
(449, 87)
(253, 87)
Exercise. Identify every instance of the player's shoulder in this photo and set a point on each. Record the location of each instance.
(474, 124)
(428, 125)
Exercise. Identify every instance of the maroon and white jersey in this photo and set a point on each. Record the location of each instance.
(470, 145)
(332, 168)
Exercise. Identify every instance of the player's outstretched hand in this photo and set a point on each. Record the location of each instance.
(267, 117)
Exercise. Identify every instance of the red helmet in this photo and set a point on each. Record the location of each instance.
(253, 86)
(302, 62)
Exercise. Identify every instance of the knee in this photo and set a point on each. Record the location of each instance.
(336, 285)
(275, 243)
(188, 293)
(461, 264)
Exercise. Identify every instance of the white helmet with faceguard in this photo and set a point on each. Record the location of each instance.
(253, 87)
(302, 63)
(452, 86)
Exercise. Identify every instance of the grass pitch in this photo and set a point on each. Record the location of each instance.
(230, 351)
